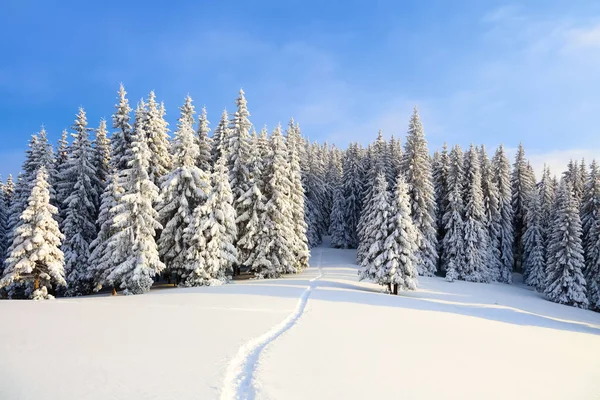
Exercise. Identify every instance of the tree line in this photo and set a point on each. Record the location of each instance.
(117, 212)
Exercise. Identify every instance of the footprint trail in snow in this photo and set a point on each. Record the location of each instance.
(239, 378)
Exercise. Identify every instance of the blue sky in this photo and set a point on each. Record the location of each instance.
(480, 71)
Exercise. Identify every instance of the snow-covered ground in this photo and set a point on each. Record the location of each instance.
(318, 335)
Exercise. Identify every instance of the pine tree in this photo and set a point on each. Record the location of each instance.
(395, 156)
(60, 163)
(501, 179)
(79, 179)
(534, 249)
(441, 169)
(205, 144)
(100, 258)
(375, 230)
(35, 254)
(338, 223)
(212, 233)
(493, 215)
(238, 159)
(157, 136)
(565, 282)
(475, 267)
(3, 226)
(315, 189)
(351, 189)
(275, 253)
(590, 212)
(133, 254)
(182, 191)
(219, 139)
(254, 205)
(452, 254)
(547, 197)
(101, 158)
(121, 138)
(398, 263)
(416, 165)
(297, 198)
(522, 186)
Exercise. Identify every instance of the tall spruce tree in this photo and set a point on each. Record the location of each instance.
(254, 205)
(205, 145)
(219, 139)
(502, 180)
(590, 213)
(338, 228)
(79, 179)
(121, 138)
(157, 136)
(522, 185)
(297, 198)
(475, 267)
(416, 165)
(441, 169)
(101, 158)
(182, 191)
(534, 248)
(238, 158)
(351, 190)
(453, 245)
(212, 253)
(565, 282)
(35, 254)
(134, 258)
(375, 230)
(398, 262)
(493, 215)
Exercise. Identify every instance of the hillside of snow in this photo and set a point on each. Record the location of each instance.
(318, 335)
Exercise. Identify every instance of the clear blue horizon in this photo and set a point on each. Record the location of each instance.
(484, 72)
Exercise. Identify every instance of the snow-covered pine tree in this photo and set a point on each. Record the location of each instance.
(452, 254)
(182, 191)
(219, 139)
(534, 249)
(398, 262)
(416, 165)
(35, 254)
(502, 179)
(441, 169)
(212, 253)
(314, 189)
(352, 190)
(297, 198)
(547, 197)
(205, 144)
(101, 158)
(395, 156)
(157, 135)
(263, 146)
(376, 230)
(275, 249)
(60, 162)
(493, 215)
(565, 283)
(79, 179)
(254, 202)
(522, 186)
(121, 138)
(338, 228)
(238, 159)
(475, 267)
(590, 213)
(100, 259)
(133, 258)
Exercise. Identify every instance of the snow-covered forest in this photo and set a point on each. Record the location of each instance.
(120, 209)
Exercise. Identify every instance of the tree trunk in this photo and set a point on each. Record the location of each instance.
(390, 287)
(36, 283)
(395, 288)
(114, 292)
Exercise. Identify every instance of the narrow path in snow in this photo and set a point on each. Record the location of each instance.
(239, 378)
